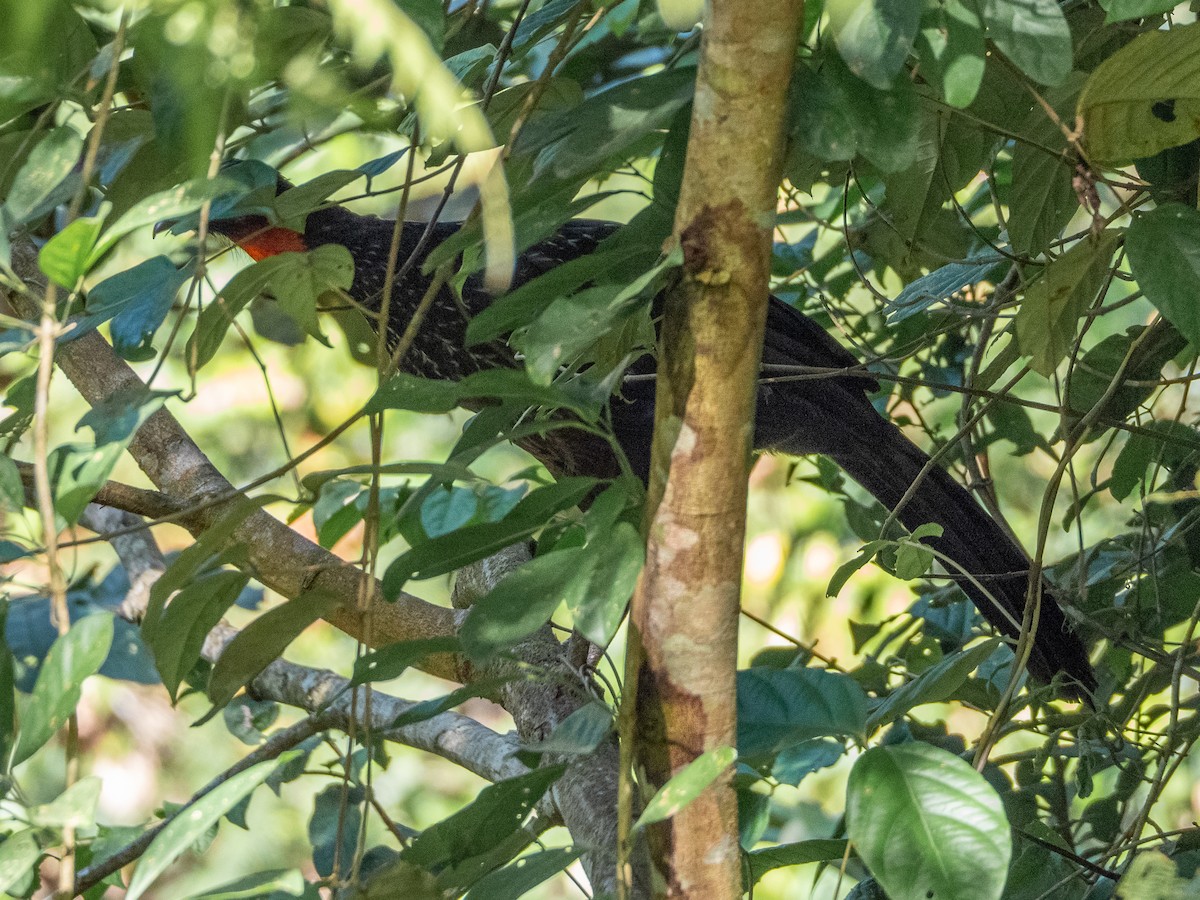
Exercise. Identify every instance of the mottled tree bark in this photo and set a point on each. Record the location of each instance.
(685, 610)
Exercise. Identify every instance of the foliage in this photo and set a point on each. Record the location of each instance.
(993, 201)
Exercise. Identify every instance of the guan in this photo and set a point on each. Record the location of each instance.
(831, 416)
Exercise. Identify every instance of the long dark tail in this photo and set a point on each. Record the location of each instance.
(887, 464)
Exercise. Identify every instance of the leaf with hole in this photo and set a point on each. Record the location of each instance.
(1143, 98)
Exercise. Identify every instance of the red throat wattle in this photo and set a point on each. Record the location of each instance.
(270, 241)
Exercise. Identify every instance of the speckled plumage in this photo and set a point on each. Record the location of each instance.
(832, 416)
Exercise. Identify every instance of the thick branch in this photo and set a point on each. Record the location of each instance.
(283, 560)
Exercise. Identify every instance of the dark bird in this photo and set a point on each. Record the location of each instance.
(831, 416)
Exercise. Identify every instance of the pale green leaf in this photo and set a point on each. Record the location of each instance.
(1048, 319)
(1143, 98)
(927, 824)
(686, 785)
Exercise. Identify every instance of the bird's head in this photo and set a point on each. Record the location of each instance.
(261, 214)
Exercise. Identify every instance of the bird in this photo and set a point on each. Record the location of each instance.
(832, 416)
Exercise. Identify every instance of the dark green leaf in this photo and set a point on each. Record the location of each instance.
(778, 708)
(797, 854)
(391, 661)
(177, 640)
(951, 49)
(194, 558)
(936, 685)
(874, 37)
(1124, 10)
(839, 116)
(262, 642)
(1164, 254)
(926, 823)
(137, 300)
(183, 831)
(498, 811)
(1033, 34)
(1048, 319)
(74, 656)
(451, 552)
(169, 204)
(580, 732)
(523, 875)
(520, 603)
(42, 182)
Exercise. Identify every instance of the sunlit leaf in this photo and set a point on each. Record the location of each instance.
(1145, 97)
(686, 785)
(927, 824)
(183, 831)
(1049, 315)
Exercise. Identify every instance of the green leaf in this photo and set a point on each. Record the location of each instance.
(43, 180)
(580, 732)
(137, 300)
(74, 656)
(427, 709)
(797, 854)
(214, 320)
(521, 876)
(1164, 255)
(498, 811)
(603, 129)
(192, 613)
(411, 392)
(927, 824)
(1042, 198)
(935, 685)
(520, 603)
(194, 558)
(19, 854)
(185, 829)
(178, 201)
(1140, 354)
(391, 661)
(838, 116)
(874, 37)
(263, 641)
(1033, 34)
(64, 258)
(951, 48)
(607, 574)
(781, 707)
(1048, 319)
(380, 28)
(686, 785)
(75, 807)
(1124, 10)
(450, 552)
(12, 490)
(300, 279)
(1143, 98)
(273, 885)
